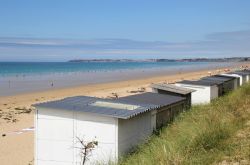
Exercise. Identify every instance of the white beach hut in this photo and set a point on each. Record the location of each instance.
(245, 74)
(205, 91)
(243, 78)
(172, 89)
(117, 126)
(224, 83)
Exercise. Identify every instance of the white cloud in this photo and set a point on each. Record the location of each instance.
(217, 44)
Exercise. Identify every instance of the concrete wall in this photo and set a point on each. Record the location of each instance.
(214, 92)
(236, 82)
(242, 78)
(57, 132)
(228, 86)
(201, 94)
(247, 78)
(164, 116)
(134, 131)
(100, 128)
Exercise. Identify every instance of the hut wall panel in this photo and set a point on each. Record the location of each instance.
(164, 116)
(100, 128)
(57, 132)
(201, 94)
(134, 131)
(244, 79)
(214, 92)
(228, 86)
(241, 79)
(54, 137)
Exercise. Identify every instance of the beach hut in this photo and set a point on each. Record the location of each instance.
(225, 84)
(117, 125)
(233, 79)
(169, 106)
(172, 89)
(245, 73)
(205, 91)
(241, 78)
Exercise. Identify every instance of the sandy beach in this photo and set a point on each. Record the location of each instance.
(16, 112)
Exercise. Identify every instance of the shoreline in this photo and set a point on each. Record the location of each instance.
(18, 148)
(13, 85)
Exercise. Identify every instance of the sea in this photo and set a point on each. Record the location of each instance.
(24, 77)
(38, 68)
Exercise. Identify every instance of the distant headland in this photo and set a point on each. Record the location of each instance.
(231, 59)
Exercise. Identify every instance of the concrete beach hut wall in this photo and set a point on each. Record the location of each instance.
(234, 80)
(242, 79)
(172, 89)
(225, 84)
(204, 91)
(245, 74)
(117, 125)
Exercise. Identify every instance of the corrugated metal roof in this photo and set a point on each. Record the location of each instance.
(225, 76)
(198, 82)
(172, 88)
(152, 98)
(217, 79)
(86, 104)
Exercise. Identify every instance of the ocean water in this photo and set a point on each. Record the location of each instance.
(35, 68)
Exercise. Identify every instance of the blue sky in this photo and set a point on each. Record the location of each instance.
(59, 30)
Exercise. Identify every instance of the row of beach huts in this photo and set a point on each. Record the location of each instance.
(120, 124)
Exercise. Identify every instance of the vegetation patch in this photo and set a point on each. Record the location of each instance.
(216, 133)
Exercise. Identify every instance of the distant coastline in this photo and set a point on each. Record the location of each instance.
(231, 59)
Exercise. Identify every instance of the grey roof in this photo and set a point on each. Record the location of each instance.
(198, 82)
(172, 88)
(217, 79)
(240, 73)
(152, 98)
(85, 104)
(226, 77)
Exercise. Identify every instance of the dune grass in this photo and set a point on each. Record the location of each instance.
(206, 134)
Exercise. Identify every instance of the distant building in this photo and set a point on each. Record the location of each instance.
(204, 91)
(118, 125)
(171, 89)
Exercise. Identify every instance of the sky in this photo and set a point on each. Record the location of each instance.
(60, 30)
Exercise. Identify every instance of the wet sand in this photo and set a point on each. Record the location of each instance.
(16, 113)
